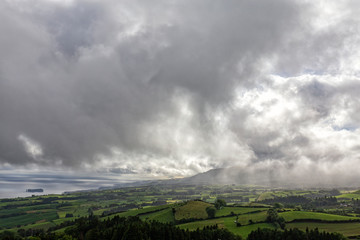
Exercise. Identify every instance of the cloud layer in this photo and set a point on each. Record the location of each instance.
(172, 88)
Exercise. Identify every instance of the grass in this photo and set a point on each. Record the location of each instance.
(27, 219)
(228, 223)
(254, 204)
(265, 195)
(4, 212)
(42, 225)
(31, 220)
(61, 220)
(347, 229)
(255, 217)
(164, 216)
(135, 212)
(192, 226)
(244, 231)
(225, 221)
(192, 210)
(237, 210)
(349, 196)
(292, 215)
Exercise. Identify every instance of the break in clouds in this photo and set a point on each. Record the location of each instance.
(173, 88)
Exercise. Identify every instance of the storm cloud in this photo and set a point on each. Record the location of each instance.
(173, 88)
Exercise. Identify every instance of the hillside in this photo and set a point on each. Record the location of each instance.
(219, 176)
(233, 175)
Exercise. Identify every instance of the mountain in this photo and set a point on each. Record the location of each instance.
(213, 176)
(266, 176)
(233, 175)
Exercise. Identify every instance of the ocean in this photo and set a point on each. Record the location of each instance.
(15, 185)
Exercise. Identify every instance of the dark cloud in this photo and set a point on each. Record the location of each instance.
(174, 88)
(122, 171)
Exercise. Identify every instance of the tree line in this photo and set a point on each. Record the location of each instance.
(293, 234)
(131, 228)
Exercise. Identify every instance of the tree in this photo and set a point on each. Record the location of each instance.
(281, 222)
(7, 235)
(238, 224)
(294, 233)
(278, 205)
(219, 203)
(273, 217)
(92, 234)
(211, 212)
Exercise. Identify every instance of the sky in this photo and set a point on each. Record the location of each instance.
(169, 88)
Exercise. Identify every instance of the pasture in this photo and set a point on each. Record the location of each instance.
(192, 210)
(347, 229)
(292, 215)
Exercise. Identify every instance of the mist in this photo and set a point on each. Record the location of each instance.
(168, 89)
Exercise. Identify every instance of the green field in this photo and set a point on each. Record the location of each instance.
(229, 223)
(349, 196)
(192, 210)
(136, 212)
(347, 229)
(226, 221)
(244, 231)
(226, 211)
(291, 215)
(31, 218)
(192, 226)
(280, 193)
(265, 195)
(164, 216)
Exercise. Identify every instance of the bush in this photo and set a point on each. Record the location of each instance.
(211, 212)
(219, 203)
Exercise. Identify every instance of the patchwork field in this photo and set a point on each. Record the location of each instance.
(292, 215)
(349, 196)
(226, 211)
(164, 216)
(30, 218)
(192, 210)
(229, 223)
(244, 231)
(347, 229)
(245, 211)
